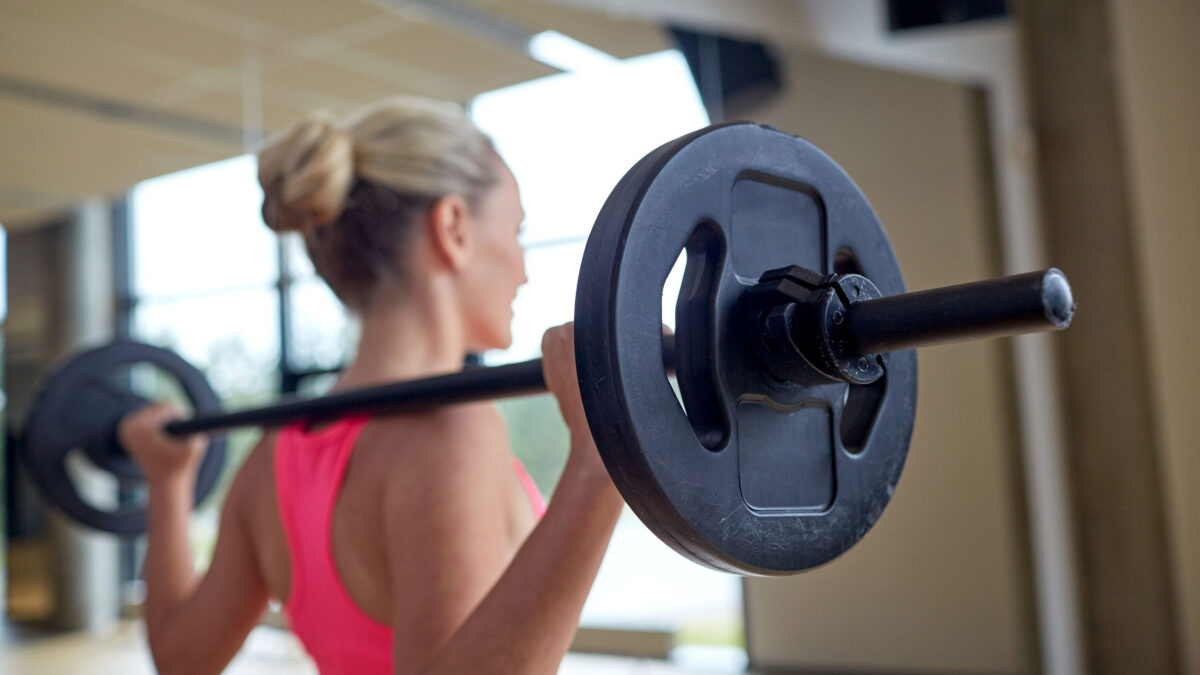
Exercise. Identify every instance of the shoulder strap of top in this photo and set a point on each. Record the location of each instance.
(309, 469)
(531, 488)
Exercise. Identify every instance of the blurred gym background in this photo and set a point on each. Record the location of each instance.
(1047, 520)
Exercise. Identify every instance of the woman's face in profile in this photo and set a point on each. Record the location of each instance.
(497, 269)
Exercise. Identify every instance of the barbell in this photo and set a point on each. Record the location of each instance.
(793, 356)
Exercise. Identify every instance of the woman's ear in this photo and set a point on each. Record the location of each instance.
(450, 231)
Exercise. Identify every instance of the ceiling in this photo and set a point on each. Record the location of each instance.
(96, 95)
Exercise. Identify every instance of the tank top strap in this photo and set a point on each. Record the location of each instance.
(531, 489)
(310, 467)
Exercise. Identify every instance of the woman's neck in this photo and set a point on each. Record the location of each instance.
(418, 336)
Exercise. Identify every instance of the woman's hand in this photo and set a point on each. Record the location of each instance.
(558, 367)
(162, 458)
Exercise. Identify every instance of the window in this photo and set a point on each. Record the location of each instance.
(205, 273)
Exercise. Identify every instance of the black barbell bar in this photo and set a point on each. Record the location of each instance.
(470, 384)
(1023, 303)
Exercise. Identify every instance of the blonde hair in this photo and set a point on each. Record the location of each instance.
(355, 190)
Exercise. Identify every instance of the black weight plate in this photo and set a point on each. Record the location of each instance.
(78, 406)
(787, 477)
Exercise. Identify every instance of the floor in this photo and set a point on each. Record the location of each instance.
(122, 651)
(122, 648)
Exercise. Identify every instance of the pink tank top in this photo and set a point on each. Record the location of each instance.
(309, 469)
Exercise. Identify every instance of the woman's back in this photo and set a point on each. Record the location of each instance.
(392, 471)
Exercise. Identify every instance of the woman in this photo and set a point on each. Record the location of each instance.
(406, 544)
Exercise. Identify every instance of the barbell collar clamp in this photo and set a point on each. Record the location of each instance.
(832, 328)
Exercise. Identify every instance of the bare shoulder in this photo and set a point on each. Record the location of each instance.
(258, 469)
(252, 492)
(446, 434)
(471, 422)
(457, 450)
(478, 424)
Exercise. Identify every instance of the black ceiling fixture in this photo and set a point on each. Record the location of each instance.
(731, 73)
(909, 14)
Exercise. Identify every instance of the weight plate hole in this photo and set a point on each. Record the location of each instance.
(151, 383)
(845, 261)
(697, 356)
(670, 298)
(97, 487)
(862, 403)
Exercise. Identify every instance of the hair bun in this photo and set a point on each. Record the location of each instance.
(306, 175)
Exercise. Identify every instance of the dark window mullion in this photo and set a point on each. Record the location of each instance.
(122, 271)
(124, 305)
(288, 381)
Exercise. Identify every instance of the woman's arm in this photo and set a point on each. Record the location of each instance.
(194, 624)
(455, 611)
(525, 624)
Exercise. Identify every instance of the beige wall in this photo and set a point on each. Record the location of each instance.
(942, 582)
(987, 54)
(1157, 51)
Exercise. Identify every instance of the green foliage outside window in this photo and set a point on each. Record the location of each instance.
(538, 437)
